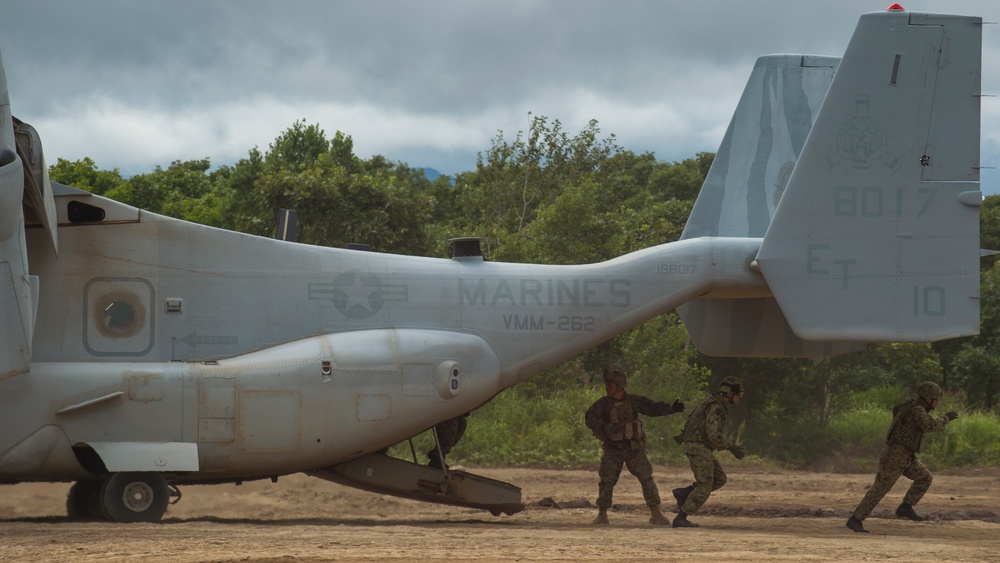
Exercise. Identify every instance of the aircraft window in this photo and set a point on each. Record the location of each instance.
(79, 212)
(118, 317)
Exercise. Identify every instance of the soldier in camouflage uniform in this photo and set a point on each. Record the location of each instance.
(614, 420)
(448, 434)
(703, 435)
(910, 420)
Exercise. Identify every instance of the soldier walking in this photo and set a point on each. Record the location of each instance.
(703, 435)
(614, 420)
(910, 420)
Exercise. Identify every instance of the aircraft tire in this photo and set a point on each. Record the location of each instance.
(135, 497)
(83, 502)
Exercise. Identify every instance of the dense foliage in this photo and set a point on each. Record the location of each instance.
(524, 196)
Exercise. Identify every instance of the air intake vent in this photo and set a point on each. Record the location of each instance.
(79, 212)
(466, 247)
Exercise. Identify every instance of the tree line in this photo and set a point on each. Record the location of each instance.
(549, 196)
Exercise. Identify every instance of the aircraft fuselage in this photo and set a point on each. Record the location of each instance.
(274, 357)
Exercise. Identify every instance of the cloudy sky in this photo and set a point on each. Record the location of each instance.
(136, 84)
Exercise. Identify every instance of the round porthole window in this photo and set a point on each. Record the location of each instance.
(119, 317)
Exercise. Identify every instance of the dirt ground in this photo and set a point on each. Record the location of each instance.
(761, 515)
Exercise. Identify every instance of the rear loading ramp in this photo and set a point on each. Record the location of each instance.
(379, 473)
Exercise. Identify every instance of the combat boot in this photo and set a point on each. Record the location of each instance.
(681, 495)
(682, 521)
(656, 517)
(855, 525)
(905, 510)
(602, 518)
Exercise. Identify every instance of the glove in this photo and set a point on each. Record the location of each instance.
(611, 428)
(678, 406)
(738, 452)
(951, 415)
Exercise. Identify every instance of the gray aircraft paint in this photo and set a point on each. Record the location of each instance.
(901, 199)
(764, 138)
(741, 191)
(149, 345)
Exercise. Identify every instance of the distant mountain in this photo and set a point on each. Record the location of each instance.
(431, 173)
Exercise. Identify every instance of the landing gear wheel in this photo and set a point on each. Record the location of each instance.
(83, 502)
(135, 497)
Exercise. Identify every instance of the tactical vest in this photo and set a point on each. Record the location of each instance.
(624, 415)
(695, 430)
(903, 431)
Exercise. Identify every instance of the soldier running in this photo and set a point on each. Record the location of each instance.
(910, 420)
(703, 435)
(614, 420)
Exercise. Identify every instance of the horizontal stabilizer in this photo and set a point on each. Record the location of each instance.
(876, 238)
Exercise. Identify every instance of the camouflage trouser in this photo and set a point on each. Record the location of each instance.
(449, 433)
(895, 461)
(708, 475)
(632, 456)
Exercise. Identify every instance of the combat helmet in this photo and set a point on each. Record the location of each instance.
(614, 376)
(732, 385)
(928, 391)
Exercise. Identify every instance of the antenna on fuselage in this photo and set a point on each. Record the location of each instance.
(288, 224)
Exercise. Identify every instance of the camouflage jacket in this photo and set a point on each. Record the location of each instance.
(910, 420)
(705, 423)
(625, 413)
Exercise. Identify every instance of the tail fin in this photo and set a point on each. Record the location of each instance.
(740, 194)
(764, 139)
(876, 238)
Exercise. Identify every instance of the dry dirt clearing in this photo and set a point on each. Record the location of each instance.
(760, 515)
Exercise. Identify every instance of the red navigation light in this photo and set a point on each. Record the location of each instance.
(895, 8)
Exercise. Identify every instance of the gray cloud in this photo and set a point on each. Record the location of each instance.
(136, 84)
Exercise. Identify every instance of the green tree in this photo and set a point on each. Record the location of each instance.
(682, 180)
(248, 211)
(185, 190)
(300, 147)
(338, 197)
(989, 228)
(976, 367)
(83, 174)
(978, 375)
(514, 179)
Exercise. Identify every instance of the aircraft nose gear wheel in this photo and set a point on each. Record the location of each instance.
(135, 497)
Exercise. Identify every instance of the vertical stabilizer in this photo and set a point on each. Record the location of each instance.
(740, 194)
(760, 147)
(877, 235)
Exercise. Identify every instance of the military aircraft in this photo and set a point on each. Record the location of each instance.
(139, 352)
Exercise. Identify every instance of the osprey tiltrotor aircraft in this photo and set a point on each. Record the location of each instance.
(140, 352)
